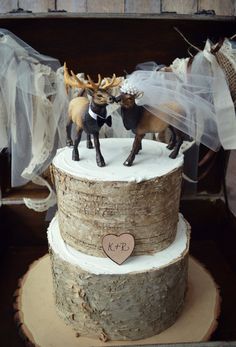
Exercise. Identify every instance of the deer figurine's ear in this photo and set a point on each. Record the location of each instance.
(138, 95)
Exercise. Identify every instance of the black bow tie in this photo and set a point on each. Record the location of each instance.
(102, 121)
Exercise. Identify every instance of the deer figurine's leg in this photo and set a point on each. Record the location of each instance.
(139, 148)
(179, 141)
(75, 153)
(135, 148)
(89, 142)
(69, 141)
(99, 158)
(172, 141)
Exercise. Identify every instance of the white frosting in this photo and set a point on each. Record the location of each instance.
(152, 161)
(98, 265)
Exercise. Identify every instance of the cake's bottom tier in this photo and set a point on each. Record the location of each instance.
(119, 304)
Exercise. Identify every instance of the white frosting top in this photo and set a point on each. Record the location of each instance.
(152, 161)
(98, 265)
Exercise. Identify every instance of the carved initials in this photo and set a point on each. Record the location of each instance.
(118, 248)
(114, 247)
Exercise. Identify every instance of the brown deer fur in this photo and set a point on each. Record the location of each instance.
(142, 121)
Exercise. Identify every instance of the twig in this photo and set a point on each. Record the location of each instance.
(198, 49)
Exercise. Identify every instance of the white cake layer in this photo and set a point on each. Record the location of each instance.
(152, 161)
(97, 265)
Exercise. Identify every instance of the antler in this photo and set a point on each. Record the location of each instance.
(88, 84)
(100, 84)
(68, 80)
(73, 81)
(93, 85)
(110, 82)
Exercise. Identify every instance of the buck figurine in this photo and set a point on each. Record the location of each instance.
(89, 116)
(141, 121)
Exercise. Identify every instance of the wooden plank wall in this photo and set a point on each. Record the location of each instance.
(224, 8)
(125, 42)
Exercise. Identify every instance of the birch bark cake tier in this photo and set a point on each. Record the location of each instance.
(101, 299)
(142, 200)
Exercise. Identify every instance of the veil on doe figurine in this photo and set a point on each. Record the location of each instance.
(141, 121)
(89, 116)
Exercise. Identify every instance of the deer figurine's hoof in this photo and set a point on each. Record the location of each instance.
(101, 162)
(89, 145)
(173, 155)
(170, 146)
(127, 163)
(75, 157)
(69, 143)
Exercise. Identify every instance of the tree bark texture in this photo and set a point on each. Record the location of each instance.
(89, 210)
(119, 306)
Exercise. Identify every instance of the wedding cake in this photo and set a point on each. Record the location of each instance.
(118, 246)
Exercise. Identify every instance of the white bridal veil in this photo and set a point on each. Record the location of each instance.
(33, 107)
(202, 92)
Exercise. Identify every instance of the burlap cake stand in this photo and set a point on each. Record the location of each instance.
(39, 324)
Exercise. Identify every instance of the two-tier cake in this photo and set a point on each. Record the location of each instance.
(145, 294)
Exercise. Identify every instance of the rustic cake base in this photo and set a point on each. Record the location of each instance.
(100, 299)
(40, 325)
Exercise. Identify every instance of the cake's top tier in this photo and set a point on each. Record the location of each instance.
(153, 161)
(142, 200)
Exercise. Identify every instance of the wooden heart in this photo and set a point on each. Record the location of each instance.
(118, 248)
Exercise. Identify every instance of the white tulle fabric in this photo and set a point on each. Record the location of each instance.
(33, 108)
(206, 110)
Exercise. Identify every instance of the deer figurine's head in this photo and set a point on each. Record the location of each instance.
(99, 91)
(129, 95)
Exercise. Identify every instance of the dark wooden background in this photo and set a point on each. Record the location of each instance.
(108, 45)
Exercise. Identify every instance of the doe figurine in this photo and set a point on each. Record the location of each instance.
(141, 121)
